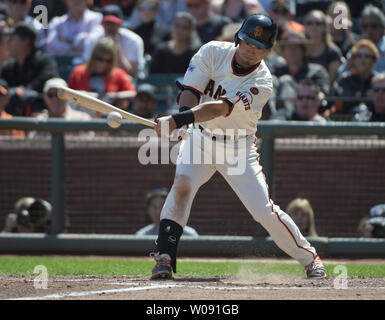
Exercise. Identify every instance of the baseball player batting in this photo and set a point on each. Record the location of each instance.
(225, 87)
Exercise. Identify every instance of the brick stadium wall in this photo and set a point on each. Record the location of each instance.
(106, 186)
(341, 185)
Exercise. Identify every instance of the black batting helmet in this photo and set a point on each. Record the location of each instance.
(259, 30)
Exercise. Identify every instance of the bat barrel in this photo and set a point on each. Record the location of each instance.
(92, 103)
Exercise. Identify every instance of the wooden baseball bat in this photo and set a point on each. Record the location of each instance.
(95, 104)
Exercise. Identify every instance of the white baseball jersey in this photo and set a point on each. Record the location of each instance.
(212, 75)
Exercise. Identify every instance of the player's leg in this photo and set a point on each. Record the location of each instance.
(176, 209)
(252, 189)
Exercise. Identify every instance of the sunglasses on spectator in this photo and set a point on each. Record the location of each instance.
(307, 97)
(52, 94)
(148, 6)
(370, 26)
(314, 23)
(364, 55)
(99, 59)
(379, 89)
(281, 11)
(181, 26)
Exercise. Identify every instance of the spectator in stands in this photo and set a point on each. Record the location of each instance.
(356, 83)
(340, 26)
(55, 8)
(67, 34)
(209, 24)
(154, 203)
(58, 108)
(101, 76)
(127, 6)
(378, 97)
(145, 101)
(130, 45)
(19, 12)
(307, 104)
(302, 213)
(165, 17)
(265, 5)
(26, 71)
(238, 10)
(373, 28)
(174, 56)
(323, 51)
(280, 12)
(373, 226)
(293, 47)
(4, 100)
(30, 215)
(151, 32)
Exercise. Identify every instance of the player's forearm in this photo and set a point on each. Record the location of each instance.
(205, 111)
(200, 113)
(210, 110)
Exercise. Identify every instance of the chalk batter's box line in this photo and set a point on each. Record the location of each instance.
(173, 285)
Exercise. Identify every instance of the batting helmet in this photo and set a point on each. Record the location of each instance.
(259, 30)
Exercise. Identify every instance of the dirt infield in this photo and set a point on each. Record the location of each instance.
(240, 287)
(236, 288)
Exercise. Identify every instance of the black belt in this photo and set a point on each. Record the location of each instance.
(215, 137)
(221, 137)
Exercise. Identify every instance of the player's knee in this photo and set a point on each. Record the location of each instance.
(182, 187)
(263, 213)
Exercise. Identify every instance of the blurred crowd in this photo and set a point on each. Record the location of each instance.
(328, 63)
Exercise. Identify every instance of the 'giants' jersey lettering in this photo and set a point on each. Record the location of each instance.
(209, 90)
(245, 98)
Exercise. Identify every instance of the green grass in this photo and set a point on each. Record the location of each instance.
(88, 266)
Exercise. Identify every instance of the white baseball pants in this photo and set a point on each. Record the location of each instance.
(241, 169)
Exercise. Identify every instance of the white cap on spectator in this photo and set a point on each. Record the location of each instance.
(54, 83)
